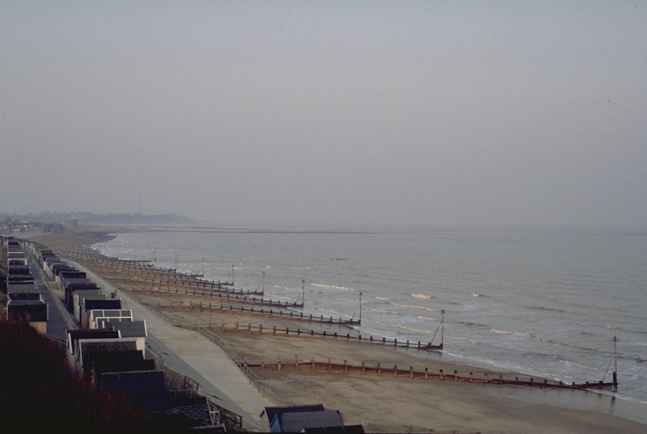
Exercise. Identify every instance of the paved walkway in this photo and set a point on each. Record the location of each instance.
(191, 354)
(59, 319)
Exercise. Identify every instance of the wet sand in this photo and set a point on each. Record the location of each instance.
(383, 404)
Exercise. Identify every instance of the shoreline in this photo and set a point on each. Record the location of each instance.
(452, 359)
(289, 384)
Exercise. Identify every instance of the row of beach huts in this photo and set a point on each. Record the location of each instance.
(23, 300)
(108, 348)
(106, 345)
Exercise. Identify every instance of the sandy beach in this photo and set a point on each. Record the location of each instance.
(380, 403)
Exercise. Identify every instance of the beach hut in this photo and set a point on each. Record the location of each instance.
(69, 272)
(346, 429)
(16, 259)
(300, 421)
(21, 287)
(58, 268)
(19, 269)
(44, 253)
(79, 296)
(18, 274)
(90, 304)
(104, 322)
(65, 275)
(24, 295)
(49, 263)
(34, 312)
(97, 316)
(116, 361)
(74, 285)
(297, 418)
(130, 329)
(73, 337)
(146, 388)
(87, 348)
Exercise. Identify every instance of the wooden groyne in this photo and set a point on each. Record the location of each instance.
(173, 285)
(309, 333)
(243, 299)
(291, 315)
(143, 271)
(384, 371)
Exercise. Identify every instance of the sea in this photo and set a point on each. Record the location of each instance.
(540, 301)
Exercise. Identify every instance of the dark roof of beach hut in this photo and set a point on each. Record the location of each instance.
(298, 421)
(111, 303)
(129, 329)
(272, 412)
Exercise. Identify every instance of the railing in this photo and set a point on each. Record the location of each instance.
(220, 415)
(182, 384)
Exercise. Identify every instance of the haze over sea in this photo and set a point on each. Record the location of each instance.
(543, 301)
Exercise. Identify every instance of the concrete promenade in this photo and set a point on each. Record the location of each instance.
(191, 354)
(59, 319)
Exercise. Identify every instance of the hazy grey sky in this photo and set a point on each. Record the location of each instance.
(327, 111)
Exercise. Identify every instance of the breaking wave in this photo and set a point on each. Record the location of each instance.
(326, 286)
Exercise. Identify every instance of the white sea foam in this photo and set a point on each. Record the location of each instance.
(327, 286)
(501, 332)
(415, 306)
(422, 296)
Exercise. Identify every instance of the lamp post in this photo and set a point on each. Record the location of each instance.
(615, 364)
(360, 307)
(442, 328)
(263, 281)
